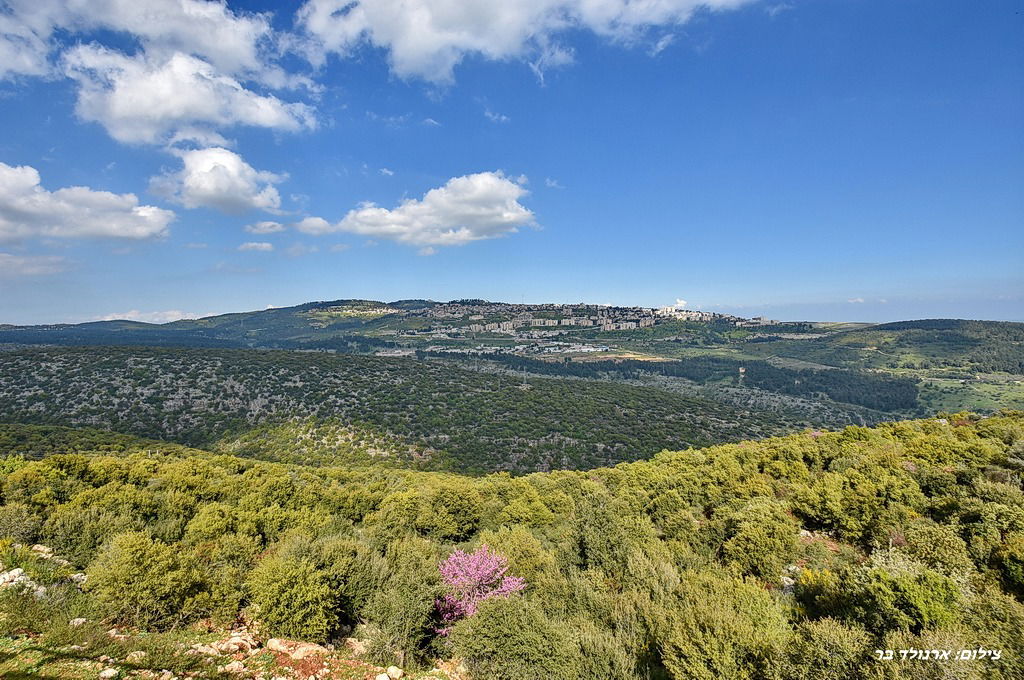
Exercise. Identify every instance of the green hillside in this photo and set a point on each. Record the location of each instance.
(311, 407)
(834, 371)
(790, 558)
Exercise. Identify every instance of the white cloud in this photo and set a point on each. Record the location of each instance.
(220, 179)
(146, 99)
(315, 226)
(391, 121)
(148, 317)
(265, 228)
(234, 42)
(340, 247)
(856, 300)
(22, 50)
(263, 246)
(468, 208)
(13, 266)
(777, 9)
(552, 183)
(660, 46)
(386, 172)
(428, 38)
(27, 210)
(496, 117)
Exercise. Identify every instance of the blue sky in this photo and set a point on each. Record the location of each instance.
(815, 159)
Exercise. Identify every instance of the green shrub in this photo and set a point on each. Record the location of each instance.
(1010, 558)
(141, 582)
(937, 546)
(78, 532)
(826, 649)
(721, 627)
(996, 620)
(527, 557)
(211, 522)
(512, 639)
(401, 606)
(293, 599)
(913, 599)
(451, 512)
(19, 523)
(226, 564)
(760, 538)
(602, 655)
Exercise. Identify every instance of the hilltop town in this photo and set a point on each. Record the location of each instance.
(468, 318)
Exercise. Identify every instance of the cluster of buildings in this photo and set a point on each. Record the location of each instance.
(757, 321)
(539, 320)
(605, 323)
(466, 318)
(679, 314)
(533, 348)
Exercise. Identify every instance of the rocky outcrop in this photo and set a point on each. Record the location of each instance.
(296, 650)
(16, 578)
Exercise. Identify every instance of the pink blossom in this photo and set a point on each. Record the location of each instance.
(472, 578)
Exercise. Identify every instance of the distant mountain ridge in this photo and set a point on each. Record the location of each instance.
(905, 368)
(295, 326)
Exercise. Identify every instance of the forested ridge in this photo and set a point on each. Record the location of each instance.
(426, 413)
(778, 376)
(793, 557)
(872, 390)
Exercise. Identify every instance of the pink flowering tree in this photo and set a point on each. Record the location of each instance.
(470, 579)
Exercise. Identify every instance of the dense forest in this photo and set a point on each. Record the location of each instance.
(872, 390)
(805, 374)
(431, 413)
(800, 557)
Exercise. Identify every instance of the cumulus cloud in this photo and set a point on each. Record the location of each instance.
(148, 317)
(316, 226)
(856, 300)
(468, 208)
(265, 228)
(28, 210)
(428, 38)
(13, 266)
(156, 99)
(220, 179)
(263, 246)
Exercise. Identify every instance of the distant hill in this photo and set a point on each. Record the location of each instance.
(356, 325)
(344, 408)
(278, 327)
(829, 373)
